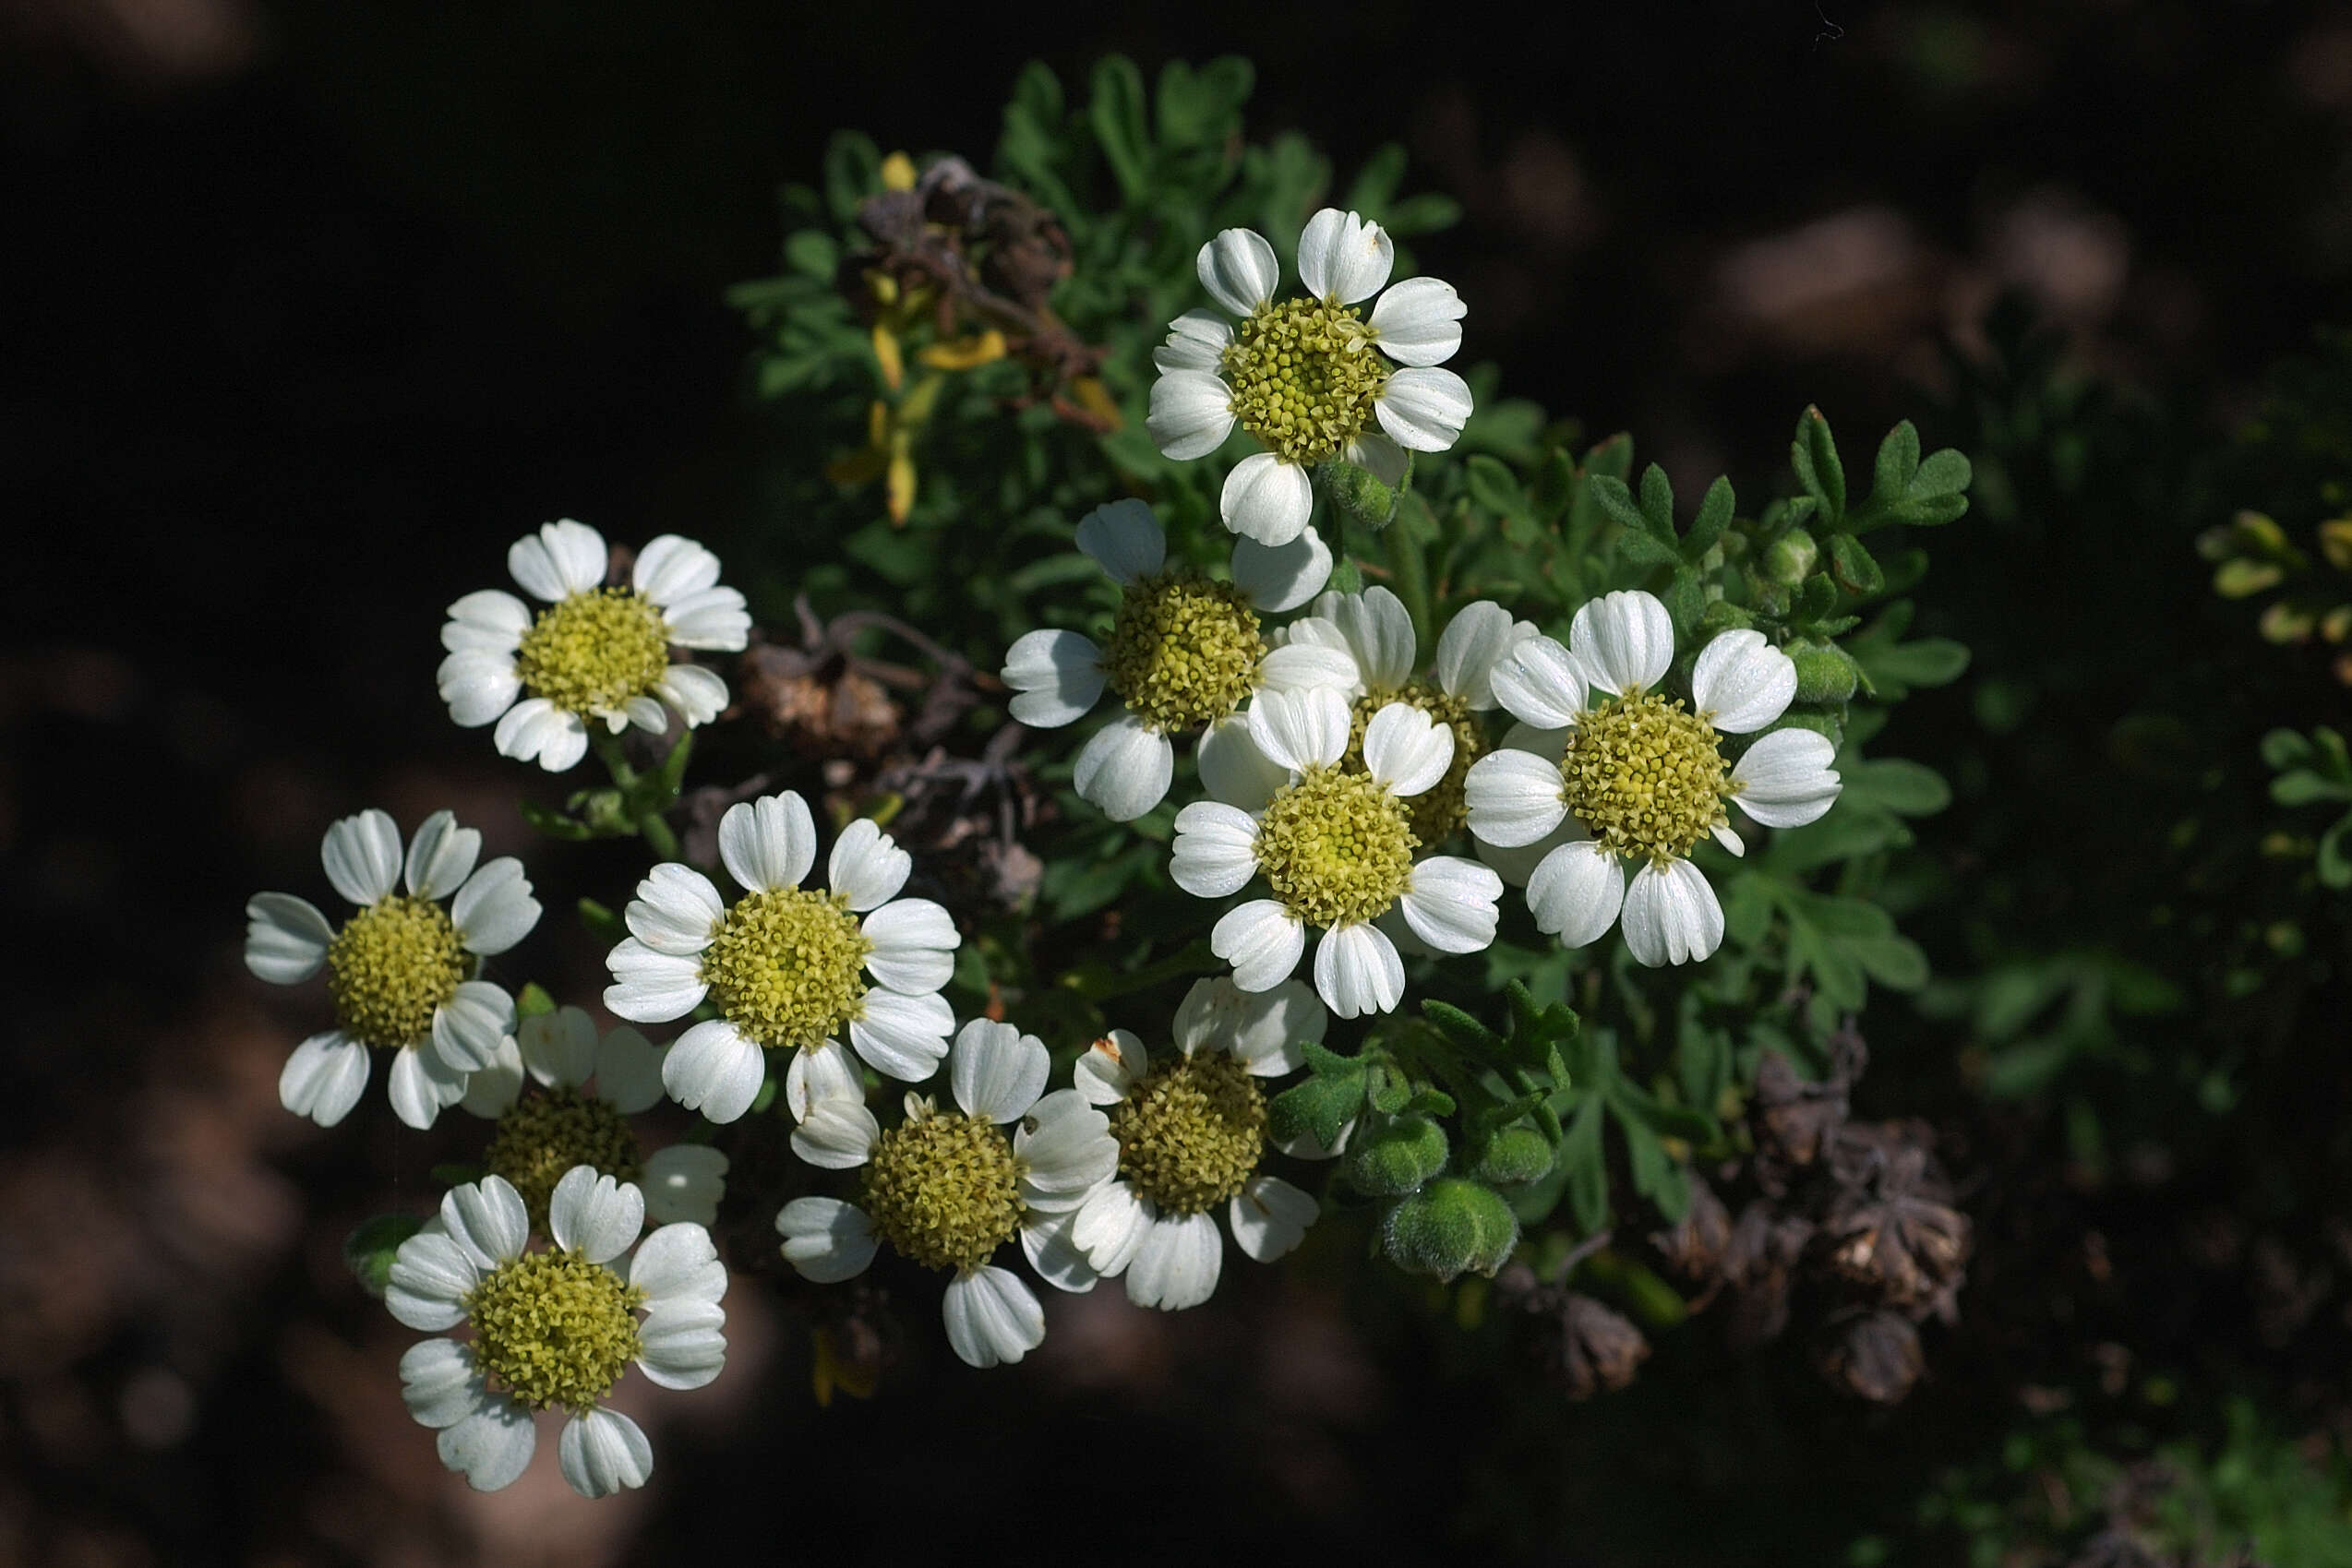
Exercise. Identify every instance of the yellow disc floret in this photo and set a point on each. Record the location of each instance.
(595, 651)
(944, 1190)
(545, 1135)
(1304, 377)
(1436, 812)
(552, 1328)
(1337, 847)
(1185, 650)
(786, 966)
(1190, 1134)
(1645, 777)
(391, 966)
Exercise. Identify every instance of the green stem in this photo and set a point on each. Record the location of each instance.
(606, 746)
(659, 835)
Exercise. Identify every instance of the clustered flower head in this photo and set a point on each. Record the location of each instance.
(595, 654)
(588, 1087)
(1186, 652)
(949, 1188)
(1310, 378)
(404, 972)
(1192, 1136)
(1619, 772)
(552, 1328)
(789, 968)
(1336, 849)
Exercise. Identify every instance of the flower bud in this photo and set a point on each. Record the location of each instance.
(1721, 615)
(1824, 672)
(1792, 557)
(1396, 1155)
(1450, 1226)
(1512, 1157)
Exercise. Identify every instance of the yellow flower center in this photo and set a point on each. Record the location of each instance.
(594, 650)
(1304, 377)
(944, 1190)
(1185, 650)
(1435, 813)
(545, 1135)
(391, 966)
(1336, 849)
(1190, 1134)
(787, 967)
(1645, 777)
(552, 1328)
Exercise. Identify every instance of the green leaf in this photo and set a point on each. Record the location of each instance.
(602, 923)
(1116, 111)
(1199, 108)
(370, 1249)
(1856, 568)
(1814, 455)
(554, 824)
(1466, 1033)
(532, 1001)
(2303, 787)
(853, 173)
(1893, 962)
(1898, 785)
(2284, 748)
(2335, 864)
(1585, 1163)
(1898, 462)
(1494, 488)
(1322, 1105)
(1714, 515)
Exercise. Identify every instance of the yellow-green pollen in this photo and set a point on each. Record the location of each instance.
(943, 1189)
(545, 1135)
(594, 650)
(1304, 377)
(552, 1328)
(786, 966)
(1645, 777)
(1438, 811)
(1190, 1133)
(1185, 650)
(1336, 847)
(391, 966)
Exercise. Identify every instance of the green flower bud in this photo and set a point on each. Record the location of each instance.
(1792, 557)
(1824, 672)
(1512, 1157)
(1450, 1226)
(1818, 721)
(1721, 615)
(1395, 1155)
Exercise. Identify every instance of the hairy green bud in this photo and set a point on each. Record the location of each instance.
(1792, 557)
(1396, 1155)
(1824, 672)
(1449, 1227)
(1512, 1157)
(1721, 615)
(1821, 721)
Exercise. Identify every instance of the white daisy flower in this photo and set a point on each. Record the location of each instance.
(787, 967)
(947, 1189)
(1637, 777)
(552, 1328)
(1376, 633)
(404, 972)
(1310, 378)
(594, 653)
(1336, 849)
(1192, 1133)
(592, 1088)
(1185, 651)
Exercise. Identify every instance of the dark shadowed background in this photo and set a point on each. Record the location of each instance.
(308, 310)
